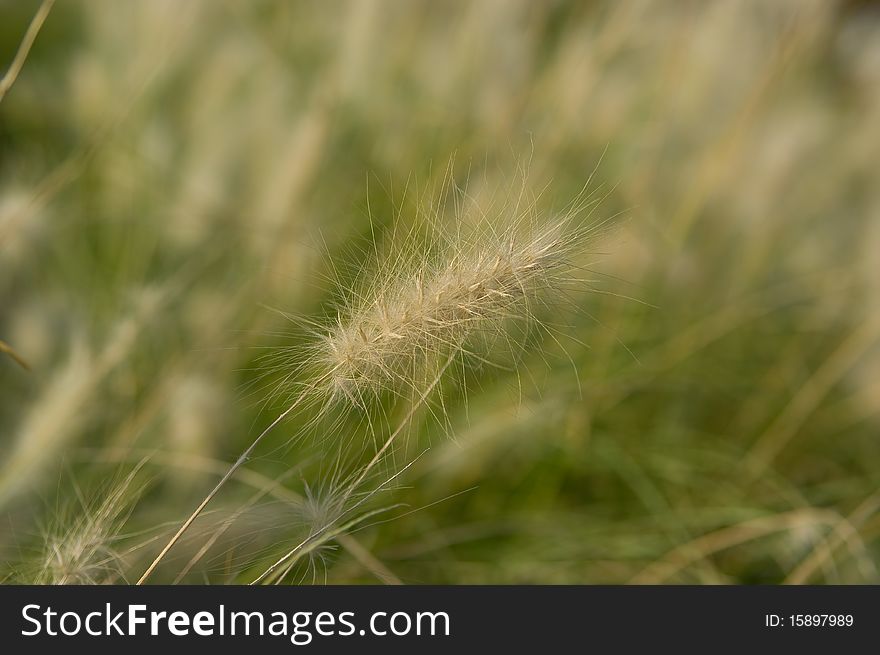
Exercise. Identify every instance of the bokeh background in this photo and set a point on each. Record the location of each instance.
(175, 177)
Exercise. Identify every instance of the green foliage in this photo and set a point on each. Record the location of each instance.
(187, 190)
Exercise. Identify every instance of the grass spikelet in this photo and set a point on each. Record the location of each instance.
(58, 415)
(389, 336)
(84, 551)
(406, 329)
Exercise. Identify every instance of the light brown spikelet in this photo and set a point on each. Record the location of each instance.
(404, 324)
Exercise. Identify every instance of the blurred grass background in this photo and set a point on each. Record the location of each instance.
(169, 171)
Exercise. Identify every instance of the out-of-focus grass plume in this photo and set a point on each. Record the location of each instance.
(185, 187)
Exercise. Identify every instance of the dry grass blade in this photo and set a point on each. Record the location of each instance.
(6, 349)
(21, 55)
(198, 510)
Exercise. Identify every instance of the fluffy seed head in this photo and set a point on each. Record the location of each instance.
(406, 322)
(80, 549)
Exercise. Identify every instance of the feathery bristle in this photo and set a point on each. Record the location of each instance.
(407, 324)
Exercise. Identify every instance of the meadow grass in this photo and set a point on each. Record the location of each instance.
(357, 286)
